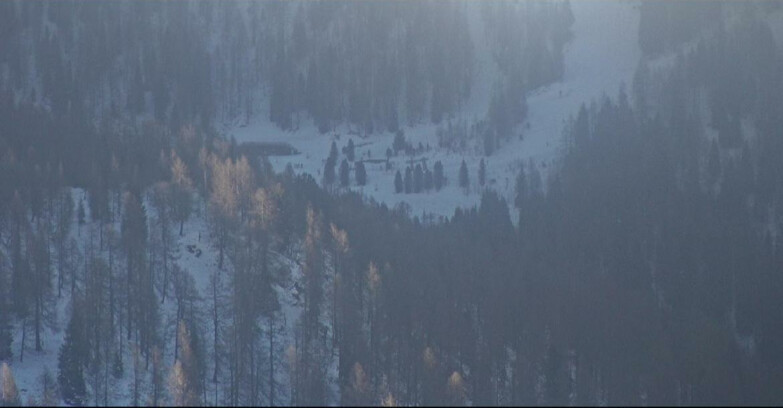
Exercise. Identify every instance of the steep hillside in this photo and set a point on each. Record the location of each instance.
(413, 203)
(375, 65)
(601, 56)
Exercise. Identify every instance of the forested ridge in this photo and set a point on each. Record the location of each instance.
(375, 65)
(644, 269)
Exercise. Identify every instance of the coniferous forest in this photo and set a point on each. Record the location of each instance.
(147, 257)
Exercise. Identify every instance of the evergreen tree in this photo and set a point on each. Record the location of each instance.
(520, 188)
(20, 264)
(554, 387)
(581, 131)
(350, 150)
(161, 198)
(333, 152)
(713, 164)
(428, 180)
(40, 283)
(98, 201)
(418, 179)
(80, 212)
(311, 378)
(72, 358)
(398, 187)
(156, 380)
(408, 180)
(345, 178)
(65, 211)
(489, 142)
(482, 173)
(5, 327)
(535, 184)
(280, 109)
(464, 182)
(141, 298)
(438, 178)
(361, 173)
(399, 141)
(329, 171)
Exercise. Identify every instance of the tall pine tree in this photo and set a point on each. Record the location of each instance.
(72, 358)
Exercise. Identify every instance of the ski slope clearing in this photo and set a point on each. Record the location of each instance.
(602, 55)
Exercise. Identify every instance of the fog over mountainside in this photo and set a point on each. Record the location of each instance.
(375, 66)
(391, 203)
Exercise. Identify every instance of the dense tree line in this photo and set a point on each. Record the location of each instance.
(383, 64)
(645, 271)
(664, 25)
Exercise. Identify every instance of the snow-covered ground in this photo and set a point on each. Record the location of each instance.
(602, 55)
(200, 261)
(28, 371)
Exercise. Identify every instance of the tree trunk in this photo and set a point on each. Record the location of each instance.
(106, 376)
(165, 265)
(271, 361)
(129, 313)
(60, 271)
(37, 318)
(24, 337)
(220, 253)
(215, 326)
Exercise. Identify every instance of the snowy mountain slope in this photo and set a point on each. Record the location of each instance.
(28, 371)
(602, 55)
(195, 255)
